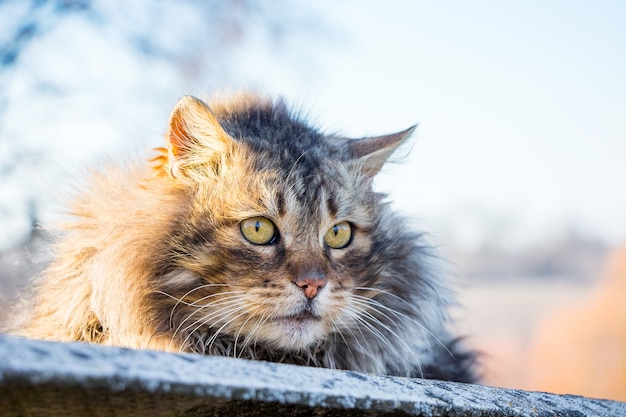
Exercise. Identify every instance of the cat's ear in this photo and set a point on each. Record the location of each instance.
(373, 152)
(195, 137)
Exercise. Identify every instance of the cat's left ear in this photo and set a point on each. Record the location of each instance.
(195, 138)
(373, 152)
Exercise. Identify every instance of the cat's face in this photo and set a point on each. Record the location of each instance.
(274, 248)
(267, 268)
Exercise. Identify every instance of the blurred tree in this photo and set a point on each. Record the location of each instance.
(148, 25)
(85, 78)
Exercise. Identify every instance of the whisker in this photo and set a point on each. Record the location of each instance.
(295, 163)
(225, 301)
(206, 297)
(263, 320)
(181, 299)
(255, 328)
(230, 310)
(215, 335)
(365, 352)
(365, 314)
(224, 304)
(220, 301)
(377, 303)
(251, 315)
(357, 316)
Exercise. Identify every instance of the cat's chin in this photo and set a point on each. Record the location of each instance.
(294, 332)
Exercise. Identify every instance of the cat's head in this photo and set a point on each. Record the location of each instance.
(281, 240)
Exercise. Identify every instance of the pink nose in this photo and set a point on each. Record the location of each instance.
(311, 286)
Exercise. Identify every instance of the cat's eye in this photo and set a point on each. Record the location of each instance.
(339, 236)
(259, 230)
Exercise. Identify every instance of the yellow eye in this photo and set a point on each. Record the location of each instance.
(258, 230)
(339, 236)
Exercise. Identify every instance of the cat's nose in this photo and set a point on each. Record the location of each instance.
(311, 286)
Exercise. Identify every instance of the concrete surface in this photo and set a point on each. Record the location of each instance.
(53, 379)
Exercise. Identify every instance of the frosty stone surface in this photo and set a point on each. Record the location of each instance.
(53, 379)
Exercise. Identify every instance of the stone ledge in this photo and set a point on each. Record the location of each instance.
(53, 379)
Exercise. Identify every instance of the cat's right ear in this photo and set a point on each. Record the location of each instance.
(373, 152)
(195, 138)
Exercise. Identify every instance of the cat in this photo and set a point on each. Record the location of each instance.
(253, 235)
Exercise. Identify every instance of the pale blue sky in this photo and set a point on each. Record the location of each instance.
(521, 105)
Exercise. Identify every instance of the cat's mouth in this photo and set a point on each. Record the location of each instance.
(296, 330)
(301, 317)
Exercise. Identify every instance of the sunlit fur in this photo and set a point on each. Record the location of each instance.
(154, 256)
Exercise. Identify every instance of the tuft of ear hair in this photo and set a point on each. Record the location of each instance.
(195, 138)
(373, 152)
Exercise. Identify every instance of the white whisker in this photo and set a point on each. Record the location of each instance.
(363, 314)
(181, 299)
(251, 315)
(223, 304)
(224, 301)
(255, 329)
(224, 313)
(376, 303)
(210, 342)
(361, 322)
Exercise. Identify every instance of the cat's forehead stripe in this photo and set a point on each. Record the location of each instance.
(280, 204)
(332, 206)
(288, 142)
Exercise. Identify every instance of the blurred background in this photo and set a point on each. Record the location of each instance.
(517, 170)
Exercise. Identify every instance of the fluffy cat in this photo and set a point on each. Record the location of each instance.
(252, 235)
